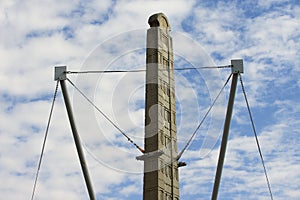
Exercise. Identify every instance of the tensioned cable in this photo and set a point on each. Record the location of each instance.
(143, 70)
(106, 117)
(44, 142)
(212, 67)
(206, 114)
(256, 138)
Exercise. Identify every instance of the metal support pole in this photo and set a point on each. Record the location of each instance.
(225, 136)
(77, 141)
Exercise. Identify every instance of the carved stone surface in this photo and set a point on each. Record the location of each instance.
(159, 20)
(161, 171)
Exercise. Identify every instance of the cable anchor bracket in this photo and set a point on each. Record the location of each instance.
(60, 73)
(237, 66)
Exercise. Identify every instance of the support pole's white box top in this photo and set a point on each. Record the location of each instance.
(60, 73)
(237, 66)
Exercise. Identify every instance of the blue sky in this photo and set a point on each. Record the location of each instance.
(96, 35)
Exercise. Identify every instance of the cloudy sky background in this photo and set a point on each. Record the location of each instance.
(38, 35)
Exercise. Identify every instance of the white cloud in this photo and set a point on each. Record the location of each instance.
(37, 36)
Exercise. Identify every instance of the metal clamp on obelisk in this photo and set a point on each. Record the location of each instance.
(60, 74)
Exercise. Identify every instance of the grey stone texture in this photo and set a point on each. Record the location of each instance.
(161, 180)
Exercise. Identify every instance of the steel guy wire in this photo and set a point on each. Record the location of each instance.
(201, 122)
(143, 70)
(106, 117)
(44, 142)
(256, 138)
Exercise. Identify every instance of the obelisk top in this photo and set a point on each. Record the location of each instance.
(159, 20)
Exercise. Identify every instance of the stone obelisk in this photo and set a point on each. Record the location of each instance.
(160, 165)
